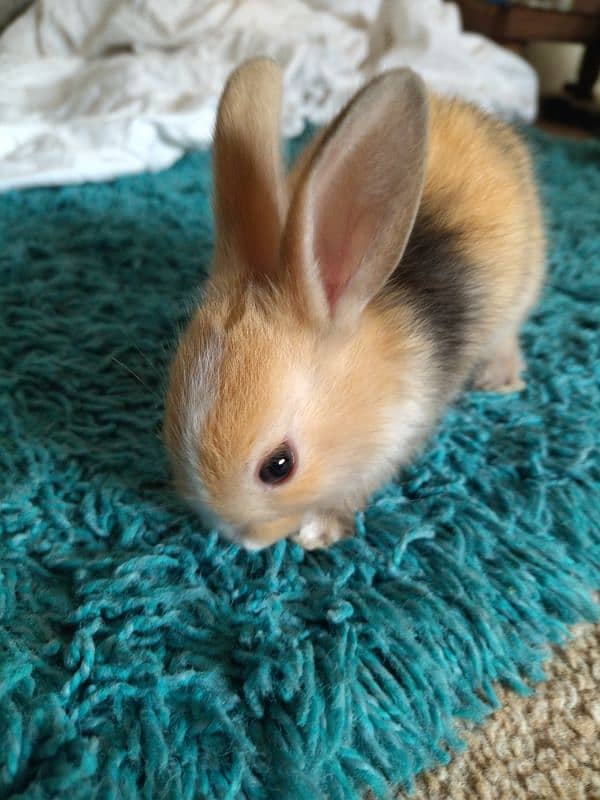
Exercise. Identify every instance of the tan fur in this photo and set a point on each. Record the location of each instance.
(357, 401)
(250, 189)
(480, 179)
(345, 385)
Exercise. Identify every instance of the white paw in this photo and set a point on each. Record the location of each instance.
(502, 373)
(500, 384)
(320, 530)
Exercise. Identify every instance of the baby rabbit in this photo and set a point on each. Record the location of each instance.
(349, 302)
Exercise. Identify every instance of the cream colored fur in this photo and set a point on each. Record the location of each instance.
(295, 341)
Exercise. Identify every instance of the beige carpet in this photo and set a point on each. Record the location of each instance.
(544, 747)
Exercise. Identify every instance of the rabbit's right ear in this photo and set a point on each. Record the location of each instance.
(250, 191)
(357, 198)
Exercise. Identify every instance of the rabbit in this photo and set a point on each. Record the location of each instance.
(350, 301)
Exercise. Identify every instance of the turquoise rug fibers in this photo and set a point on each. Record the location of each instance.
(143, 657)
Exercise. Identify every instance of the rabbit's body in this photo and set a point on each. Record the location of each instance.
(342, 317)
(474, 262)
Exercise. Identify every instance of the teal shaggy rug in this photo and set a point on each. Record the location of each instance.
(143, 657)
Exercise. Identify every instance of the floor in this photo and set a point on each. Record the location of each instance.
(563, 129)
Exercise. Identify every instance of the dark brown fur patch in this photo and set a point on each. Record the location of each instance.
(438, 281)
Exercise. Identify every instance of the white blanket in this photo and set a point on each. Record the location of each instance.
(92, 89)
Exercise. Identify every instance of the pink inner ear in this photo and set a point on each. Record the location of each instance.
(342, 238)
(333, 291)
(354, 207)
(333, 257)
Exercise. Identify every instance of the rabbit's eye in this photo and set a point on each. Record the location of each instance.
(278, 466)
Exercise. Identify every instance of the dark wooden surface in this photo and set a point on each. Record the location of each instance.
(520, 24)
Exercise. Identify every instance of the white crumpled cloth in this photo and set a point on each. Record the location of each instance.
(92, 89)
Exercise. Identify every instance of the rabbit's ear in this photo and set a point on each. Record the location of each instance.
(356, 202)
(250, 192)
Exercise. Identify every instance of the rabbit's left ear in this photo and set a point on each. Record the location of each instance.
(355, 204)
(250, 189)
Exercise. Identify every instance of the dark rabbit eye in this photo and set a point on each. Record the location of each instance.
(278, 467)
